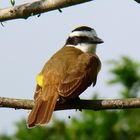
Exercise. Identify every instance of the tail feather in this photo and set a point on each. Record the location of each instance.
(32, 115)
(42, 110)
(40, 113)
(49, 110)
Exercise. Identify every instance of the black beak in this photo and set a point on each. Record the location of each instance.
(97, 40)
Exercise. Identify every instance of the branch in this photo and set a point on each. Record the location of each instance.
(35, 8)
(80, 104)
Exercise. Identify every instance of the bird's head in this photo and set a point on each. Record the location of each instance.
(84, 38)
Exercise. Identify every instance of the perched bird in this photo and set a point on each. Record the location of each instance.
(67, 74)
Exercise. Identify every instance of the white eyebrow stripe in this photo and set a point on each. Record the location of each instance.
(90, 34)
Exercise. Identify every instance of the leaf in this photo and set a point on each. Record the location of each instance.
(138, 1)
(2, 24)
(12, 2)
(60, 10)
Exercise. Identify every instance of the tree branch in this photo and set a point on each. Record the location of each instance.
(79, 104)
(34, 8)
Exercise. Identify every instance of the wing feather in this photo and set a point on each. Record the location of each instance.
(80, 76)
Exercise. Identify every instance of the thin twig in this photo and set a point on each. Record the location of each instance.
(35, 8)
(79, 104)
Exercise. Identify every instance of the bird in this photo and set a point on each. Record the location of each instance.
(68, 73)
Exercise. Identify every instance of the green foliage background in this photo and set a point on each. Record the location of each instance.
(98, 125)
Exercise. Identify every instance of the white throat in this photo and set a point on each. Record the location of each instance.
(87, 48)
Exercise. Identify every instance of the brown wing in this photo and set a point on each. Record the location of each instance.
(80, 76)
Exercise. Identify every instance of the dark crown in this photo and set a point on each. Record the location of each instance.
(82, 28)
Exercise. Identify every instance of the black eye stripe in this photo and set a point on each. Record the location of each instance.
(83, 28)
(79, 39)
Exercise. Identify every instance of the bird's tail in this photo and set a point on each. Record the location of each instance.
(43, 109)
